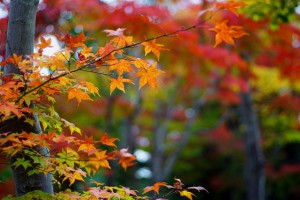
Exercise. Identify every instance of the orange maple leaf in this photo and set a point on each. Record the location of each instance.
(108, 141)
(118, 83)
(153, 47)
(44, 44)
(87, 146)
(231, 6)
(155, 187)
(9, 108)
(73, 41)
(227, 33)
(122, 41)
(78, 94)
(125, 159)
(15, 59)
(149, 75)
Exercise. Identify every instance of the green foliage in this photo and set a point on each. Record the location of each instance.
(279, 11)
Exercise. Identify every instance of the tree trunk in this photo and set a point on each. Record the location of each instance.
(20, 41)
(254, 169)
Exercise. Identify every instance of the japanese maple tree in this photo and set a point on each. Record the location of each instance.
(34, 136)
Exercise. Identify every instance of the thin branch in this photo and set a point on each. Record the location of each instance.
(92, 61)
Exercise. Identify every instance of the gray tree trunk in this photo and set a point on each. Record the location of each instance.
(254, 169)
(20, 41)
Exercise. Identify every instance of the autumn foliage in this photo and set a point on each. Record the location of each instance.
(73, 155)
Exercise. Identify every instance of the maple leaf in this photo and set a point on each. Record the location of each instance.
(23, 162)
(186, 194)
(65, 81)
(73, 41)
(108, 141)
(79, 174)
(106, 50)
(152, 47)
(122, 41)
(60, 142)
(139, 63)
(71, 126)
(226, 33)
(68, 156)
(125, 159)
(100, 160)
(128, 191)
(15, 59)
(118, 83)
(89, 148)
(78, 94)
(118, 32)
(90, 87)
(101, 193)
(44, 44)
(231, 6)
(7, 108)
(121, 66)
(155, 187)
(149, 75)
(86, 52)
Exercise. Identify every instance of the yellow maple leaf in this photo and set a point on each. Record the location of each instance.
(90, 87)
(227, 33)
(121, 66)
(118, 83)
(78, 176)
(139, 63)
(87, 51)
(149, 75)
(186, 194)
(153, 47)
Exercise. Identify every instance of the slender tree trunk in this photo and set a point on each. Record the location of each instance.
(254, 169)
(158, 145)
(20, 41)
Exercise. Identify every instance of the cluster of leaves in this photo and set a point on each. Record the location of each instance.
(69, 154)
(276, 11)
(100, 191)
(31, 92)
